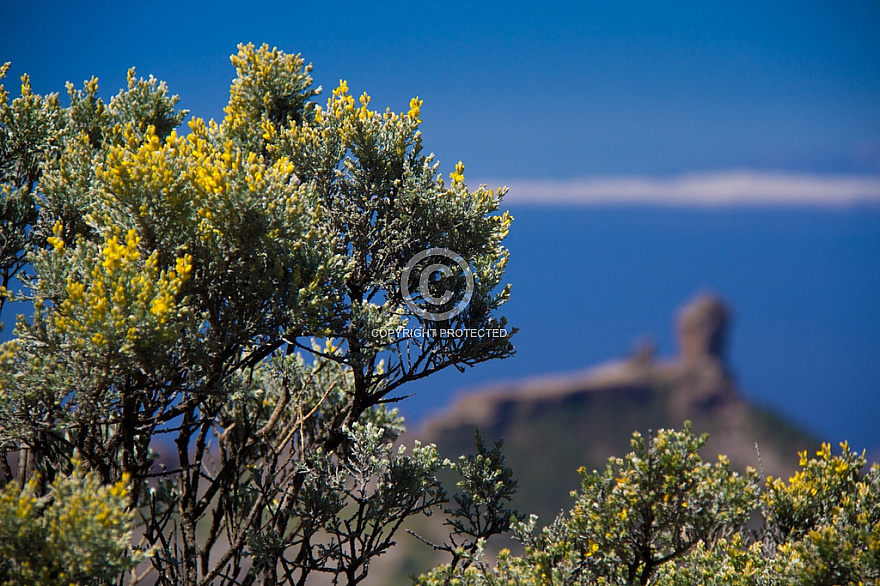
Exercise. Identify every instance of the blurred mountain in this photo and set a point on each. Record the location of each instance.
(553, 425)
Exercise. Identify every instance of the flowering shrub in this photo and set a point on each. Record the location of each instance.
(211, 314)
(78, 533)
(662, 516)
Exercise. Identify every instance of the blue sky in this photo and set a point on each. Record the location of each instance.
(522, 90)
(576, 105)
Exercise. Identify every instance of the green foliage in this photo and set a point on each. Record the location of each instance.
(661, 516)
(822, 527)
(725, 563)
(486, 487)
(79, 533)
(653, 505)
(359, 502)
(30, 126)
(826, 519)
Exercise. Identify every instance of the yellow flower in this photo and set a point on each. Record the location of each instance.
(55, 240)
(342, 89)
(458, 175)
(160, 307)
(183, 267)
(415, 108)
(117, 254)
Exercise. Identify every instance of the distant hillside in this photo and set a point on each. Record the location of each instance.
(584, 421)
(551, 426)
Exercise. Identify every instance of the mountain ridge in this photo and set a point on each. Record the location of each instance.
(555, 424)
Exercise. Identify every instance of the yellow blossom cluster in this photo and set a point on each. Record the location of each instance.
(226, 181)
(217, 168)
(415, 109)
(344, 125)
(457, 176)
(822, 475)
(55, 240)
(828, 513)
(264, 74)
(81, 533)
(7, 350)
(118, 297)
(505, 219)
(146, 171)
(203, 180)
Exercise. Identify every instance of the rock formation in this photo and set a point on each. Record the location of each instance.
(553, 425)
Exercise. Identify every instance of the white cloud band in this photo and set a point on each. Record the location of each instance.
(707, 189)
